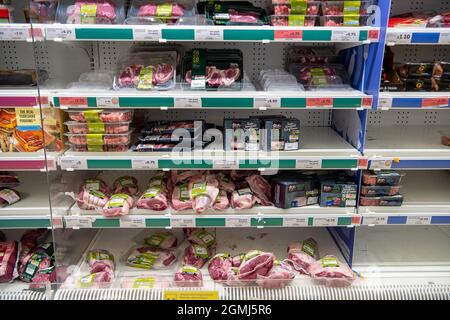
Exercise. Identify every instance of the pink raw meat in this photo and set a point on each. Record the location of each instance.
(162, 73)
(203, 191)
(203, 238)
(183, 176)
(155, 197)
(100, 260)
(97, 279)
(219, 265)
(195, 255)
(92, 200)
(302, 255)
(180, 198)
(127, 184)
(188, 276)
(256, 263)
(149, 10)
(147, 257)
(118, 205)
(247, 17)
(237, 260)
(279, 276)
(8, 258)
(332, 272)
(216, 77)
(243, 199)
(221, 202)
(261, 188)
(225, 183)
(162, 240)
(233, 279)
(105, 12)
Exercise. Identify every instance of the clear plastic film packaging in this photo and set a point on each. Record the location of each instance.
(293, 20)
(43, 11)
(93, 80)
(91, 12)
(333, 76)
(159, 12)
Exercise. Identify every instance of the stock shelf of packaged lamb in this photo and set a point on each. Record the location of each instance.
(239, 203)
(425, 201)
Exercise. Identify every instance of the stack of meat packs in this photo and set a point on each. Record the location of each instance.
(381, 189)
(197, 190)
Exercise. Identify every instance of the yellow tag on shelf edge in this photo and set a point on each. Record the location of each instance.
(191, 295)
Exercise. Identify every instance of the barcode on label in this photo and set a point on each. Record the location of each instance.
(295, 222)
(132, 222)
(182, 222)
(237, 222)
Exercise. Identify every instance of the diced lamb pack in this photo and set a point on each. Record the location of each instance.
(151, 10)
(216, 77)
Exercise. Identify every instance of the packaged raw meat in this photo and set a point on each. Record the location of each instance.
(344, 8)
(345, 21)
(8, 196)
(203, 191)
(312, 55)
(100, 279)
(147, 71)
(38, 260)
(219, 265)
(242, 134)
(232, 13)
(155, 196)
(203, 238)
(233, 278)
(96, 185)
(43, 11)
(99, 139)
(98, 115)
(100, 260)
(337, 192)
(188, 276)
(91, 200)
(310, 8)
(382, 178)
(194, 127)
(255, 263)
(237, 260)
(119, 204)
(243, 199)
(225, 182)
(102, 148)
(296, 191)
(213, 69)
(293, 20)
(278, 80)
(280, 275)
(302, 255)
(165, 147)
(196, 255)
(332, 272)
(29, 241)
(261, 188)
(280, 134)
(146, 257)
(162, 240)
(385, 201)
(90, 12)
(180, 197)
(126, 184)
(221, 202)
(8, 181)
(379, 191)
(98, 127)
(319, 75)
(8, 260)
(159, 12)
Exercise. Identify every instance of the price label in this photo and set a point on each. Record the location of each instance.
(308, 164)
(381, 164)
(69, 163)
(288, 35)
(180, 222)
(132, 222)
(208, 35)
(444, 38)
(295, 222)
(366, 102)
(268, 103)
(191, 295)
(345, 36)
(243, 222)
(418, 220)
(363, 163)
(14, 34)
(385, 103)
(376, 221)
(108, 102)
(319, 102)
(400, 37)
(57, 222)
(144, 164)
(73, 102)
(145, 33)
(374, 35)
(78, 222)
(60, 33)
(435, 102)
(226, 164)
(190, 103)
(325, 222)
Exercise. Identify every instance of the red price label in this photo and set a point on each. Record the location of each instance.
(37, 33)
(43, 100)
(288, 34)
(374, 34)
(363, 163)
(73, 101)
(366, 103)
(319, 102)
(435, 102)
(356, 220)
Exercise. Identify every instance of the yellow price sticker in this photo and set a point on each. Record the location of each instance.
(191, 295)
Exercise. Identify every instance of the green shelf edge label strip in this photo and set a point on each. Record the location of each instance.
(25, 223)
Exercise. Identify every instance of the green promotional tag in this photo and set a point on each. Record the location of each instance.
(146, 78)
(351, 21)
(92, 115)
(251, 254)
(200, 252)
(94, 139)
(352, 8)
(88, 13)
(190, 270)
(198, 189)
(206, 237)
(96, 127)
(198, 80)
(144, 260)
(330, 261)
(87, 281)
(296, 20)
(118, 200)
(164, 10)
(156, 239)
(143, 283)
(298, 7)
(309, 248)
(319, 77)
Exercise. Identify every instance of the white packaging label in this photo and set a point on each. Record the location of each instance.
(376, 221)
(69, 163)
(403, 37)
(345, 36)
(14, 34)
(145, 33)
(295, 222)
(384, 103)
(78, 222)
(418, 220)
(445, 37)
(132, 222)
(208, 35)
(107, 102)
(144, 164)
(269, 103)
(190, 103)
(380, 164)
(60, 33)
(243, 222)
(308, 164)
(198, 83)
(226, 164)
(325, 222)
(9, 196)
(181, 222)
